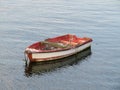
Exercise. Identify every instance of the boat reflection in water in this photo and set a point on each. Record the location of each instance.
(39, 68)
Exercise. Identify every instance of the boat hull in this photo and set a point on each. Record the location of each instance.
(41, 68)
(48, 56)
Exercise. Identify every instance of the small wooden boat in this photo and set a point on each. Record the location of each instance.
(56, 48)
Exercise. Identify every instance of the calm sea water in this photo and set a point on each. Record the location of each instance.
(23, 22)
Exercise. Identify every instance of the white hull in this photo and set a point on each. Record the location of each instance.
(60, 54)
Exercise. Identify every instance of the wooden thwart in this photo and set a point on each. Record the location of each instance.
(53, 44)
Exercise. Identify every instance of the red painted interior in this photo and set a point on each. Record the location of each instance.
(65, 39)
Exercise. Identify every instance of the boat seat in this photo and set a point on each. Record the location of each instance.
(54, 44)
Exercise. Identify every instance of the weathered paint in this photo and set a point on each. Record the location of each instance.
(34, 57)
(37, 52)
